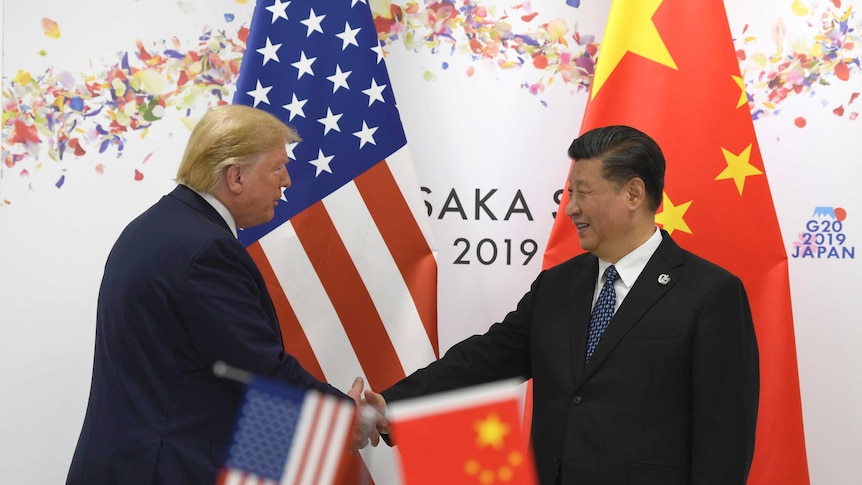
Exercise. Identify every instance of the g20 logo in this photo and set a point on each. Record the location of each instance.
(824, 236)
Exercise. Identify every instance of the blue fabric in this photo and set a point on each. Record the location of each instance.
(354, 107)
(603, 311)
(179, 293)
(265, 428)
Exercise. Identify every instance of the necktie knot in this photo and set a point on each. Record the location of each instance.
(611, 275)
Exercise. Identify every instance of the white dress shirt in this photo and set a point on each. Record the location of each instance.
(629, 267)
(221, 209)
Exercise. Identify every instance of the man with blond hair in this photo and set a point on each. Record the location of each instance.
(179, 293)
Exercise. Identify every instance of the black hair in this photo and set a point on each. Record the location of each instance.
(625, 153)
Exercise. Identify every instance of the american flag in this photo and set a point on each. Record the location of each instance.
(348, 258)
(284, 434)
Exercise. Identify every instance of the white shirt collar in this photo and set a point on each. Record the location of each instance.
(630, 266)
(221, 209)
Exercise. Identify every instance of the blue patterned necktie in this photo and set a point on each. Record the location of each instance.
(603, 311)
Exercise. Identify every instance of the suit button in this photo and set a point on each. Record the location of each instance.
(556, 459)
(576, 400)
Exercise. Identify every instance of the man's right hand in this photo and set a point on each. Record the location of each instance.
(378, 403)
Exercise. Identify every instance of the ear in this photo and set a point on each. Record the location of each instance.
(635, 192)
(233, 178)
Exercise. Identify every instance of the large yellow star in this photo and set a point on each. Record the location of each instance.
(743, 97)
(630, 29)
(738, 167)
(671, 216)
(490, 431)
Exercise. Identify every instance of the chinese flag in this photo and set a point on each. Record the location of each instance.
(468, 436)
(669, 69)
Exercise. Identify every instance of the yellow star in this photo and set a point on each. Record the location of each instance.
(738, 167)
(490, 431)
(743, 97)
(630, 29)
(671, 216)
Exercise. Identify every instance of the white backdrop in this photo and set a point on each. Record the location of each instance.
(481, 131)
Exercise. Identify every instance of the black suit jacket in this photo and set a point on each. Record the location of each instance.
(669, 397)
(179, 293)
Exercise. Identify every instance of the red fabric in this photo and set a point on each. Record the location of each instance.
(474, 438)
(696, 109)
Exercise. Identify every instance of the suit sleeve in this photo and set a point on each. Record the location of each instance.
(726, 385)
(223, 309)
(502, 352)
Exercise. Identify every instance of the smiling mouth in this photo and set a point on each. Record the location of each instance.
(581, 226)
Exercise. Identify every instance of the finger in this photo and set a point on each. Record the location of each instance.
(358, 443)
(355, 391)
(376, 400)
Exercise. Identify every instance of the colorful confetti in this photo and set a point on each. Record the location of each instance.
(468, 28)
(50, 28)
(831, 51)
(515, 38)
(61, 114)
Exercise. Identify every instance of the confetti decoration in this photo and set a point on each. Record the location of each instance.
(50, 28)
(504, 39)
(60, 114)
(830, 51)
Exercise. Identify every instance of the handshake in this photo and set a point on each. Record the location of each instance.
(370, 420)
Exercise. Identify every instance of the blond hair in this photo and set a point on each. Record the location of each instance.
(230, 134)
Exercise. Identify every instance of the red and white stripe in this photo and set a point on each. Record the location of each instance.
(354, 282)
(318, 442)
(354, 279)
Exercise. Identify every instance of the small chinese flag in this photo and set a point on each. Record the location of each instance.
(468, 436)
(669, 69)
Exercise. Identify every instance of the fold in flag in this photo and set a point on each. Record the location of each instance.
(469, 436)
(348, 257)
(284, 434)
(669, 69)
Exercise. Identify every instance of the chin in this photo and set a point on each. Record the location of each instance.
(585, 243)
(262, 221)
(588, 249)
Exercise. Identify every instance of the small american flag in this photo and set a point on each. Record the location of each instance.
(348, 257)
(287, 435)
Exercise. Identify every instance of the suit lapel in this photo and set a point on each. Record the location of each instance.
(647, 290)
(580, 297)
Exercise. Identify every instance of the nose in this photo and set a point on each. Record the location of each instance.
(572, 207)
(285, 182)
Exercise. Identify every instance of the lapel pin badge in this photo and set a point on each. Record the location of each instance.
(663, 279)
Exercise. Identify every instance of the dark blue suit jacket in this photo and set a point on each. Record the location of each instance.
(179, 293)
(669, 397)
